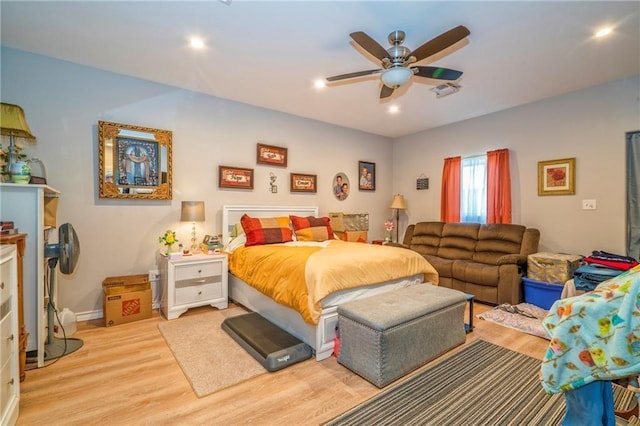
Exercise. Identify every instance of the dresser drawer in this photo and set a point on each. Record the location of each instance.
(8, 386)
(8, 344)
(188, 292)
(197, 270)
(5, 280)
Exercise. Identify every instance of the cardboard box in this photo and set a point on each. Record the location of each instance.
(126, 299)
(552, 267)
(342, 222)
(354, 236)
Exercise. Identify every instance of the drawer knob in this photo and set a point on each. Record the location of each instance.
(199, 271)
(10, 337)
(10, 381)
(199, 293)
(2, 285)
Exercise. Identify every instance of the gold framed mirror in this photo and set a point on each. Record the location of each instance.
(135, 162)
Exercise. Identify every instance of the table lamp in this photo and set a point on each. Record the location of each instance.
(398, 203)
(192, 211)
(13, 124)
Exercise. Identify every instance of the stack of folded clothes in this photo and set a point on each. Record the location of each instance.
(599, 267)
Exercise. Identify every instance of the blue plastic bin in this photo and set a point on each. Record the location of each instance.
(540, 293)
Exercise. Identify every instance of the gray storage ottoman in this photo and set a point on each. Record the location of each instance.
(384, 337)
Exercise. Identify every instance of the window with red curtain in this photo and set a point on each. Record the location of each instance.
(498, 187)
(450, 196)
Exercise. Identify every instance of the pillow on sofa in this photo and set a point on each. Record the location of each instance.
(312, 228)
(266, 230)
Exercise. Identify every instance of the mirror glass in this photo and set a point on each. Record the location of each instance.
(135, 162)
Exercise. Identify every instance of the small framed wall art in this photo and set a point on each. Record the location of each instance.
(271, 155)
(304, 183)
(557, 177)
(235, 177)
(367, 179)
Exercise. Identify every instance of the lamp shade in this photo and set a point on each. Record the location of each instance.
(192, 211)
(398, 202)
(13, 122)
(395, 77)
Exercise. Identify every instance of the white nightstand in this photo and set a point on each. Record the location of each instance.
(191, 281)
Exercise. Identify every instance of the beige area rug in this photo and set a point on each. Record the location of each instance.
(210, 359)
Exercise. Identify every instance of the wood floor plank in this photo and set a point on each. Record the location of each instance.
(127, 375)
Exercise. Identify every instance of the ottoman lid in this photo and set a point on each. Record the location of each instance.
(387, 310)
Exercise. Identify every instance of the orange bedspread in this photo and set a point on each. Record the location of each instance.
(301, 276)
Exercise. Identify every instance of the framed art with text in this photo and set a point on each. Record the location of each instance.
(271, 155)
(235, 177)
(303, 183)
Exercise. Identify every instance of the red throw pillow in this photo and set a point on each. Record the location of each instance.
(312, 228)
(266, 230)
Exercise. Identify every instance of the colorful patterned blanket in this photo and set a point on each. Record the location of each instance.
(594, 336)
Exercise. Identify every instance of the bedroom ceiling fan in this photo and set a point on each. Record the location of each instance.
(396, 62)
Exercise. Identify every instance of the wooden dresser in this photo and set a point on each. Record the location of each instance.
(20, 240)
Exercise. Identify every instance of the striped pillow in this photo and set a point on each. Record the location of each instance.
(312, 228)
(266, 230)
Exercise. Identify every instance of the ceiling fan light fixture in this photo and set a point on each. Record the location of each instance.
(396, 77)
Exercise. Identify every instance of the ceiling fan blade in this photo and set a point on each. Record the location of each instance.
(386, 91)
(370, 45)
(353, 74)
(438, 73)
(440, 42)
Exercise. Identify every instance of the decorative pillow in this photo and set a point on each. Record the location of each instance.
(266, 230)
(312, 228)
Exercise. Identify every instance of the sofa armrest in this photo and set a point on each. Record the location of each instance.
(516, 259)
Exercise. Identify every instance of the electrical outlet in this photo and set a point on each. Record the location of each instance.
(154, 275)
(588, 204)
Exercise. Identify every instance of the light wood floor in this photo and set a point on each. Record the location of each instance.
(126, 375)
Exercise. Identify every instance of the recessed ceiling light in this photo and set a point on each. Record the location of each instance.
(196, 42)
(603, 32)
(319, 84)
(394, 109)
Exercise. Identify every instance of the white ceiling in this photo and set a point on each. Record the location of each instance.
(269, 54)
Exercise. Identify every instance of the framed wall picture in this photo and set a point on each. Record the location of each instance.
(235, 177)
(341, 186)
(557, 177)
(134, 162)
(367, 176)
(271, 155)
(304, 183)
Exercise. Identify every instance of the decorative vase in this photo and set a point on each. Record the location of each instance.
(20, 172)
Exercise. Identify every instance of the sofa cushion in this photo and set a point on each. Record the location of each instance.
(476, 273)
(458, 240)
(494, 241)
(442, 265)
(426, 237)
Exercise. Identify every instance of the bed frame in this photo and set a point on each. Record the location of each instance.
(320, 338)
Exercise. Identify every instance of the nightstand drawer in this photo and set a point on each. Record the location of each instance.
(189, 292)
(197, 270)
(5, 281)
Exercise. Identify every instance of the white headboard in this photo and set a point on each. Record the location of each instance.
(232, 214)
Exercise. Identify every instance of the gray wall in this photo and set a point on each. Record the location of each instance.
(63, 103)
(589, 125)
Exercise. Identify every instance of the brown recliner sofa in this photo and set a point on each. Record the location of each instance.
(487, 261)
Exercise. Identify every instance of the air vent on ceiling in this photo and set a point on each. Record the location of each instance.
(446, 89)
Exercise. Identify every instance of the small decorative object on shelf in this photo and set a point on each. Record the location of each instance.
(388, 225)
(20, 172)
(14, 124)
(168, 239)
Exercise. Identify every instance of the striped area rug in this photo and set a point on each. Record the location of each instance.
(483, 384)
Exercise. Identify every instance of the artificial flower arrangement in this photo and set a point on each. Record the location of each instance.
(168, 239)
(388, 225)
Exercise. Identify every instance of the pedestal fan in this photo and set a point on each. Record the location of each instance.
(66, 253)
